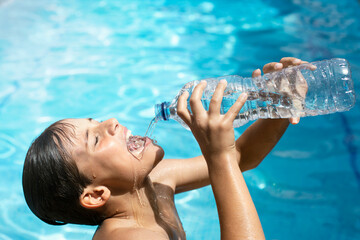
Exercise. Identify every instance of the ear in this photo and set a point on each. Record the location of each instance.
(94, 197)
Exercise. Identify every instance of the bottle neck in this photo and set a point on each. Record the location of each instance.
(162, 111)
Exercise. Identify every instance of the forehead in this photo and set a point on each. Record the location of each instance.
(77, 122)
(78, 135)
(79, 125)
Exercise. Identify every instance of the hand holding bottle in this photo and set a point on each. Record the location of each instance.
(215, 134)
(213, 131)
(301, 87)
(299, 90)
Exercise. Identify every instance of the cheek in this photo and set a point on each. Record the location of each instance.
(114, 163)
(122, 173)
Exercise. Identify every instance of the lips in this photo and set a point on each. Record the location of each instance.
(135, 144)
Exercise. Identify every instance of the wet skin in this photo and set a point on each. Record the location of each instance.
(138, 197)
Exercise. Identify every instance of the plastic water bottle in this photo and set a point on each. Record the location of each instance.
(309, 89)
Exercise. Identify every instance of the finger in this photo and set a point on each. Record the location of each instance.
(195, 99)
(311, 66)
(290, 61)
(236, 107)
(215, 103)
(256, 73)
(271, 67)
(182, 110)
(294, 121)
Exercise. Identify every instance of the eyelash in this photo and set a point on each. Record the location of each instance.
(96, 140)
(97, 137)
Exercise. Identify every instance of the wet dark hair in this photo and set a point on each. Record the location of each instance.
(52, 183)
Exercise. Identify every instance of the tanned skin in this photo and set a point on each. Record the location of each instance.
(148, 212)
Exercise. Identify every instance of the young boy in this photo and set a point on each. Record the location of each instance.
(81, 171)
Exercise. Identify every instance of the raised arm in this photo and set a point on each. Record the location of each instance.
(262, 136)
(215, 135)
(254, 144)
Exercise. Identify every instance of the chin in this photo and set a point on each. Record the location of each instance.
(153, 154)
(158, 153)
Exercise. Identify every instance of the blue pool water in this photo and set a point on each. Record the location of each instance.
(102, 59)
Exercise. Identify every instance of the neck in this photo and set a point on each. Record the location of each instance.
(141, 208)
(137, 207)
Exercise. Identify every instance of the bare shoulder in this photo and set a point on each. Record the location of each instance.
(129, 234)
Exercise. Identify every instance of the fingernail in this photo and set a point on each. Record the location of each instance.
(295, 121)
(278, 66)
(243, 96)
(257, 71)
(223, 81)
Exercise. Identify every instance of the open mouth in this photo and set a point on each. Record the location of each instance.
(135, 145)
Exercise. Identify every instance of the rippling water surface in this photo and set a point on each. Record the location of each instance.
(104, 59)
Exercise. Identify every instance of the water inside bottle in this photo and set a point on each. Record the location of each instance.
(260, 104)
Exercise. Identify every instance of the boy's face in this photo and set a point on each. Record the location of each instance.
(100, 152)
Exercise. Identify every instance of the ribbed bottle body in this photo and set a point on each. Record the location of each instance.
(330, 87)
(309, 89)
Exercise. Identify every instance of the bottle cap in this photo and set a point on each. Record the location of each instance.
(162, 111)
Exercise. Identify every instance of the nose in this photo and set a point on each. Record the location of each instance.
(111, 126)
